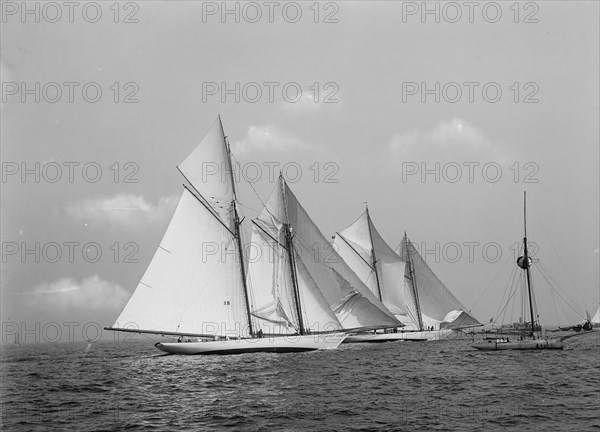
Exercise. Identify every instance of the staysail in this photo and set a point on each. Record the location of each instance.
(439, 307)
(193, 284)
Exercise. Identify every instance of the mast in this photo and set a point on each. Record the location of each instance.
(413, 278)
(289, 247)
(374, 258)
(237, 223)
(526, 262)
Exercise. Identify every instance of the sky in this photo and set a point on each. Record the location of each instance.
(438, 118)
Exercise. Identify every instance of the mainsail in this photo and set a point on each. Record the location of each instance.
(194, 282)
(277, 305)
(439, 307)
(323, 279)
(378, 266)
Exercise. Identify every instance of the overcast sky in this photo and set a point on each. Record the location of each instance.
(517, 109)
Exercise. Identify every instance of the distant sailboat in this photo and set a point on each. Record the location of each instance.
(433, 304)
(201, 297)
(596, 318)
(531, 339)
(392, 277)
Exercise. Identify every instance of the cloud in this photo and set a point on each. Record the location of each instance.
(126, 210)
(267, 139)
(91, 294)
(306, 103)
(456, 139)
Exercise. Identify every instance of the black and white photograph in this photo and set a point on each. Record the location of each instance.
(300, 215)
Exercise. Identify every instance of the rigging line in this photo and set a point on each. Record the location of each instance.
(509, 288)
(254, 189)
(533, 298)
(559, 258)
(555, 285)
(209, 208)
(249, 208)
(355, 251)
(562, 298)
(489, 285)
(508, 301)
(554, 304)
(509, 292)
(268, 234)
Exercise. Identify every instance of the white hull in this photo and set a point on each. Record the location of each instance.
(529, 344)
(411, 336)
(277, 344)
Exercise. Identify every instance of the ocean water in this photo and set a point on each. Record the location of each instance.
(404, 386)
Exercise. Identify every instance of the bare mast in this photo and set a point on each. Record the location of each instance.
(526, 262)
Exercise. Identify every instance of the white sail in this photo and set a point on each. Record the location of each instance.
(332, 275)
(317, 314)
(596, 319)
(439, 307)
(208, 170)
(378, 266)
(272, 300)
(193, 283)
(270, 279)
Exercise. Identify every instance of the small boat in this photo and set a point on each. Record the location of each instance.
(530, 339)
(526, 344)
(195, 288)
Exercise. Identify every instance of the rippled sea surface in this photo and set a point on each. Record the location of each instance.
(444, 385)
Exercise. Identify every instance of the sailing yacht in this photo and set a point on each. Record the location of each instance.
(201, 297)
(429, 312)
(596, 319)
(285, 232)
(530, 339)
(432, 304)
